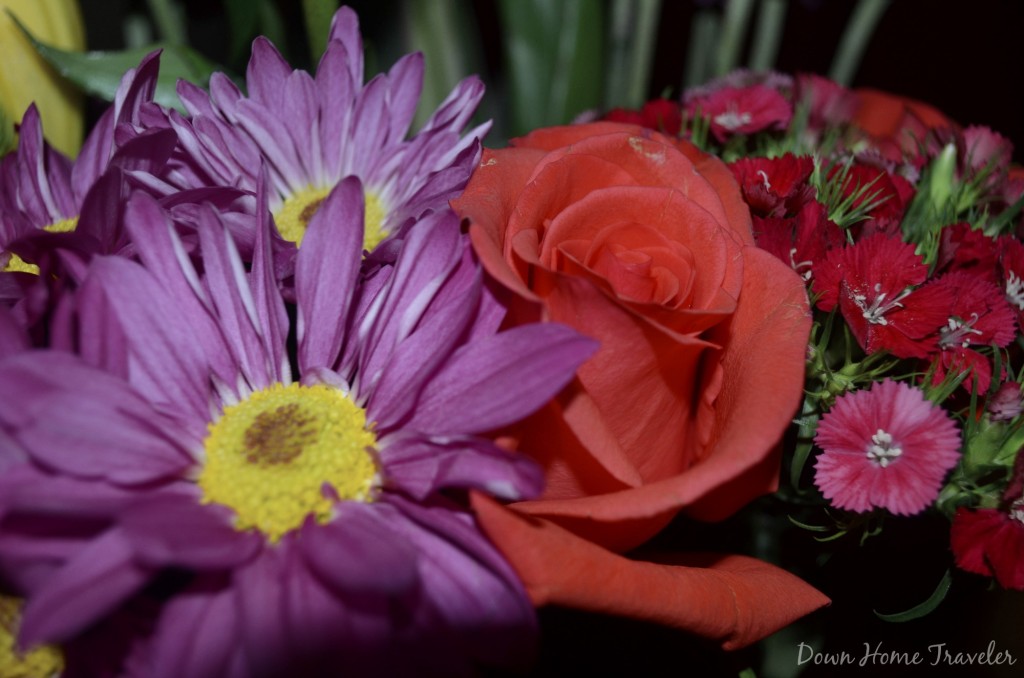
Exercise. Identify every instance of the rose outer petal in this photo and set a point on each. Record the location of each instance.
(757, 398)
(732, 600)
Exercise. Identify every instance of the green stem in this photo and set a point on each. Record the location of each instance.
(768, 35)
(855, 39)
(317, 15)
(734, 32)
(703, 37)
(634, 30)
(167, 16)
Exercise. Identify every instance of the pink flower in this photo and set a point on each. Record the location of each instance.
(1006, 403)
(885, 447)
(735, 110)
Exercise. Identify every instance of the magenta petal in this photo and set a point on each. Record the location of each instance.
(358, 552)
(91, 585)
(273, 317)
(13, 338)
(405, 82)
(322, 628)
(420, 466)
(227, 284)
(395, 395)
(325, 274)
(34, 493)
(476, 606)
(267, 72)
(345, 29)
(167, 530)
(197, 635)
(114, 433)
(259, 600)
(500, 379)
(434, 247)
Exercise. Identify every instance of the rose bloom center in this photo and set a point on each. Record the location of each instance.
(288, 452)
(294, 216)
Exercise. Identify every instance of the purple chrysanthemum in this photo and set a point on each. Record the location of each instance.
(49, 203)
(285, 527)
(313, 131)
(885, 447)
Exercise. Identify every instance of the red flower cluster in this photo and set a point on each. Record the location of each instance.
(902, 226)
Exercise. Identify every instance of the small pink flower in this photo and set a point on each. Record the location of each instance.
(735, 110)
(885, 447)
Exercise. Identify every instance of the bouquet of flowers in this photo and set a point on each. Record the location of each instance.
(292, 390)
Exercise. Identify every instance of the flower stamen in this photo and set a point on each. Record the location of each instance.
(286, 453)
(882, 449)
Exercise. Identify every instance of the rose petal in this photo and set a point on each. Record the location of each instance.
(732, 600)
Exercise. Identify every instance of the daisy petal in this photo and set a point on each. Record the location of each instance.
(325, 273)
(501, 379)
(98, 579)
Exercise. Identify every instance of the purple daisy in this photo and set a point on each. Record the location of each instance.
(286, 527)
(885, 447)
(49, 203)
(313, 131)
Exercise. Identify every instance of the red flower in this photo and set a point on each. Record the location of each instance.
(978, 316)
(890, 194)
(801, 241)
(775, 187)
(742, 110)
(661, 115)
(963, 248)
(1012, 262)
(872, 282)
(990, 542)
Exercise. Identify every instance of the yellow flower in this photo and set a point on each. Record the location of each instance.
(26, 77)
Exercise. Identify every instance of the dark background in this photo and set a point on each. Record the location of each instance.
(964, 57)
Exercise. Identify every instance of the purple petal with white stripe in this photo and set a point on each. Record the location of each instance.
(500, 379)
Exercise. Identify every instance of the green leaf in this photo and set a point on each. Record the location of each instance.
(168, 17)
(924, 608)
(444, 33)
(554, 57)
(99, 73)
(8, 139)
(733, 35)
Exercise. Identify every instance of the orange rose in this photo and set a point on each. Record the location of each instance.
(896, 125)
(644, 243)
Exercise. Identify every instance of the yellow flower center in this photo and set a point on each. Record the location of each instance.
(39, 662)
(285, 453)
(17, 264)
(295, 214)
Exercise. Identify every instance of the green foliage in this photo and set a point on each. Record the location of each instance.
(554, 60)
(99, 73)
